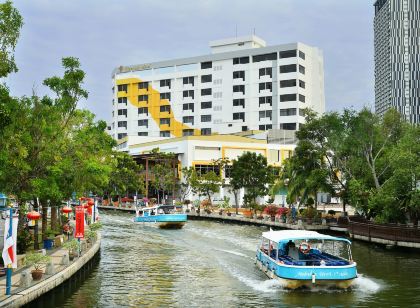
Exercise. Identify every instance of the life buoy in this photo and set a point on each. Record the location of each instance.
(304, 247)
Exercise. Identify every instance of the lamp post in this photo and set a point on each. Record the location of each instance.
(67, 210)
(34, 215)
(3, 201)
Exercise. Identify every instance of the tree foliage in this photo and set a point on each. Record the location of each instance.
(359, 157)
(251, 172)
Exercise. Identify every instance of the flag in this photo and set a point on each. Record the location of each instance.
(10, 237)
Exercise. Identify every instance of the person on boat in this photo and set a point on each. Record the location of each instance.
(160, 211)
(290, 244)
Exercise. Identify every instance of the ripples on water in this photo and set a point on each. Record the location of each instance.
(209, 264)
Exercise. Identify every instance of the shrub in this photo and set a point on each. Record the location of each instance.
(36, 259)
(271, 210)
(72, 245)
(95, 226)
(282, 211)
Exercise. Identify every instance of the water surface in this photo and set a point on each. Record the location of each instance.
(209, 264)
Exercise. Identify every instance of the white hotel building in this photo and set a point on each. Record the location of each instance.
(242, 85)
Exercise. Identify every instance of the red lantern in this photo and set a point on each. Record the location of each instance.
(33, 215)
(67, 210)
(91, 202)
(86, 205)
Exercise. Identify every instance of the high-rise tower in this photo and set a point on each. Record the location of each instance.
(397, 57)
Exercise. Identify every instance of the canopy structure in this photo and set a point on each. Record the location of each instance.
(286, 235)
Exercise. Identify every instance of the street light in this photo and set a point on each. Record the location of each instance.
(3, 201)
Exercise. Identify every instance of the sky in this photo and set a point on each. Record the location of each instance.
(105, 34)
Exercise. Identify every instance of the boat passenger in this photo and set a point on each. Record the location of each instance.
(160, 211)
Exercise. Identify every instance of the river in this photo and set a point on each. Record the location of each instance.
(209, 264)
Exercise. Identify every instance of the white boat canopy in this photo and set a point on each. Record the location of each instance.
(286, 235)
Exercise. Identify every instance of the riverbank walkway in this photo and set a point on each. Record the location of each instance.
(25, 290)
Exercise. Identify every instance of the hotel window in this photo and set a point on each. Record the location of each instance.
(302, 98)
(205, 105)
(302, 69)
(288, 83)
(188, 80)
(188, 119)
(165, 133)
(288, 54)
(143, 123)
(265, 57)
(265, 114)
(205, 92)
(239, 102)
(143, 134)
(143, 98)
(142, 110)
(122, 100)
(122, 135)
(188, 93)
(187, 132)
(206, 118)
(122, 112)
(205, 65)
(239, 74)
(266, 71)
(265, 100)
(206, 78)
(166, 95)
(265, 86)
(288, 126)
(302, 55)
(165, 108)
(122, 88)
(228, 171)
(206, 131)
(288, 112)
(287, 98)
(265, 127)
(239, 116)
(165, 121)
(241, 60)
(189, 106)
(122, 124)
(165, 83)
(291, 68)
(302, 84)
(203, 169)
(239, 88)
(144, 85)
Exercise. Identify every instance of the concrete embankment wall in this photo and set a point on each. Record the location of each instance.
(26, 296)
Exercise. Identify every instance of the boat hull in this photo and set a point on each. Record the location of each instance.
(168, 221)
(294, 277)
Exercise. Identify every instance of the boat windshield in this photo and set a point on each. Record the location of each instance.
(308, 252)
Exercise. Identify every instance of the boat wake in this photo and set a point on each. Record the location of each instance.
(366, 285)
(236, 253)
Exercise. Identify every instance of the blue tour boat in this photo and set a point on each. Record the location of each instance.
(299, 258)
(164, 216)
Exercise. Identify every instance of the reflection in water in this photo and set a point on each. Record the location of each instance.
(209, 264)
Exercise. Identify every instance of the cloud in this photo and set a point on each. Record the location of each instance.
(105, 34)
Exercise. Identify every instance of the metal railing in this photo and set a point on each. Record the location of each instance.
(390, 232)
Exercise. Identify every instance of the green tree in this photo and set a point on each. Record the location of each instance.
(125, 176)
(251, 172)
(11, 23)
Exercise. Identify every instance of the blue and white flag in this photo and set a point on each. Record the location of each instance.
(10, 238)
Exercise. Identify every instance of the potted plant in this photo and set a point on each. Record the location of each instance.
(271, 210)
(95, 226)
(309, 213)
(90, 236)
(49, 240)
(282, 212)
(72, 246)
(36, 259)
